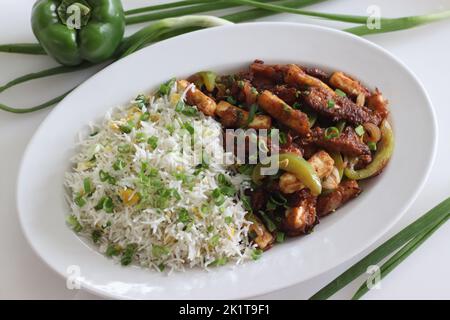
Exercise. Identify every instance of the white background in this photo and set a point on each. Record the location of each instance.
(424, 275)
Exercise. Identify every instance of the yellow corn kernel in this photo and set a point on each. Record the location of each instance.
(113, 125)
(85, 165)
(174, 98)
(154, 117)
(129, 197)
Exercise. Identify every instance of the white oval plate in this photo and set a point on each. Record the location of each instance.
(40, 194)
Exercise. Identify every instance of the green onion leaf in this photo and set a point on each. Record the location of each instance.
(145, 116)
(190, 111)
(87, 185)
(297, 105)
(72, 220)
(283, 137)
(228, 220)
(124, 148)
(215, 240)
(128, 254)
(140, 137)
(184, 216)
(428, 221)
(159, 251)
(153, 142)
(231, 100)
(119, 165)
(256, 254)
(330, 104)
(219, 262)
(246, 169)
(108, 205)
(251, 114)
(372, 146)
(125, 128)
(188, 127)
(96, 235)
(359, 130)
(280, 236)
(113, 250)
(180, 106)
(341, 126)
(79, 200)
(164, 89)
(268, 222)
(340, 93)
(103, 175)
(331, 132)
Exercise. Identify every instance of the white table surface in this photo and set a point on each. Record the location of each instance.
(424, 275)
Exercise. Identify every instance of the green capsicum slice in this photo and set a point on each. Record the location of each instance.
(385, 149)
(338, 162)
(296, 165)
(73, 31)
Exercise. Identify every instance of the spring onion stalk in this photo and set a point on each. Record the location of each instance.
(25, 48)
(401, 255)
(43, 74)
(247, 15)
(195, 9)
(35, 108)
(426, 222)
(164, 6)
(403, 23)
(148, 34)
(284, 9)
(253, 14)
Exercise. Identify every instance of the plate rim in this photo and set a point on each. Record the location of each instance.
(367, 244)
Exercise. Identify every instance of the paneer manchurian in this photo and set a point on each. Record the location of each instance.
(333, 131)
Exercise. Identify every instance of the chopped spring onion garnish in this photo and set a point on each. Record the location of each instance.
(283, 137)
(153, 142)
(331, 132)
(113, 250)
(145, 116)
(119, 165)
(79, 201)
(330, 104)
(251, 113)
(72, 220)
(340, 93)
(297, 105)
(128, 254)
(372, 146)
(341, 126)
(125, 128)
(256, 254)
(87, 186)
(183, 216)
(164, 89)
(360, 130)
(124, 148)
(140, 137)
(268, 222)
(96, 235)
(280, 236)
(231, 100)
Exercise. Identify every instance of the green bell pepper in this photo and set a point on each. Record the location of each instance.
(296, 165)
(73, 31)
(381, 158)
